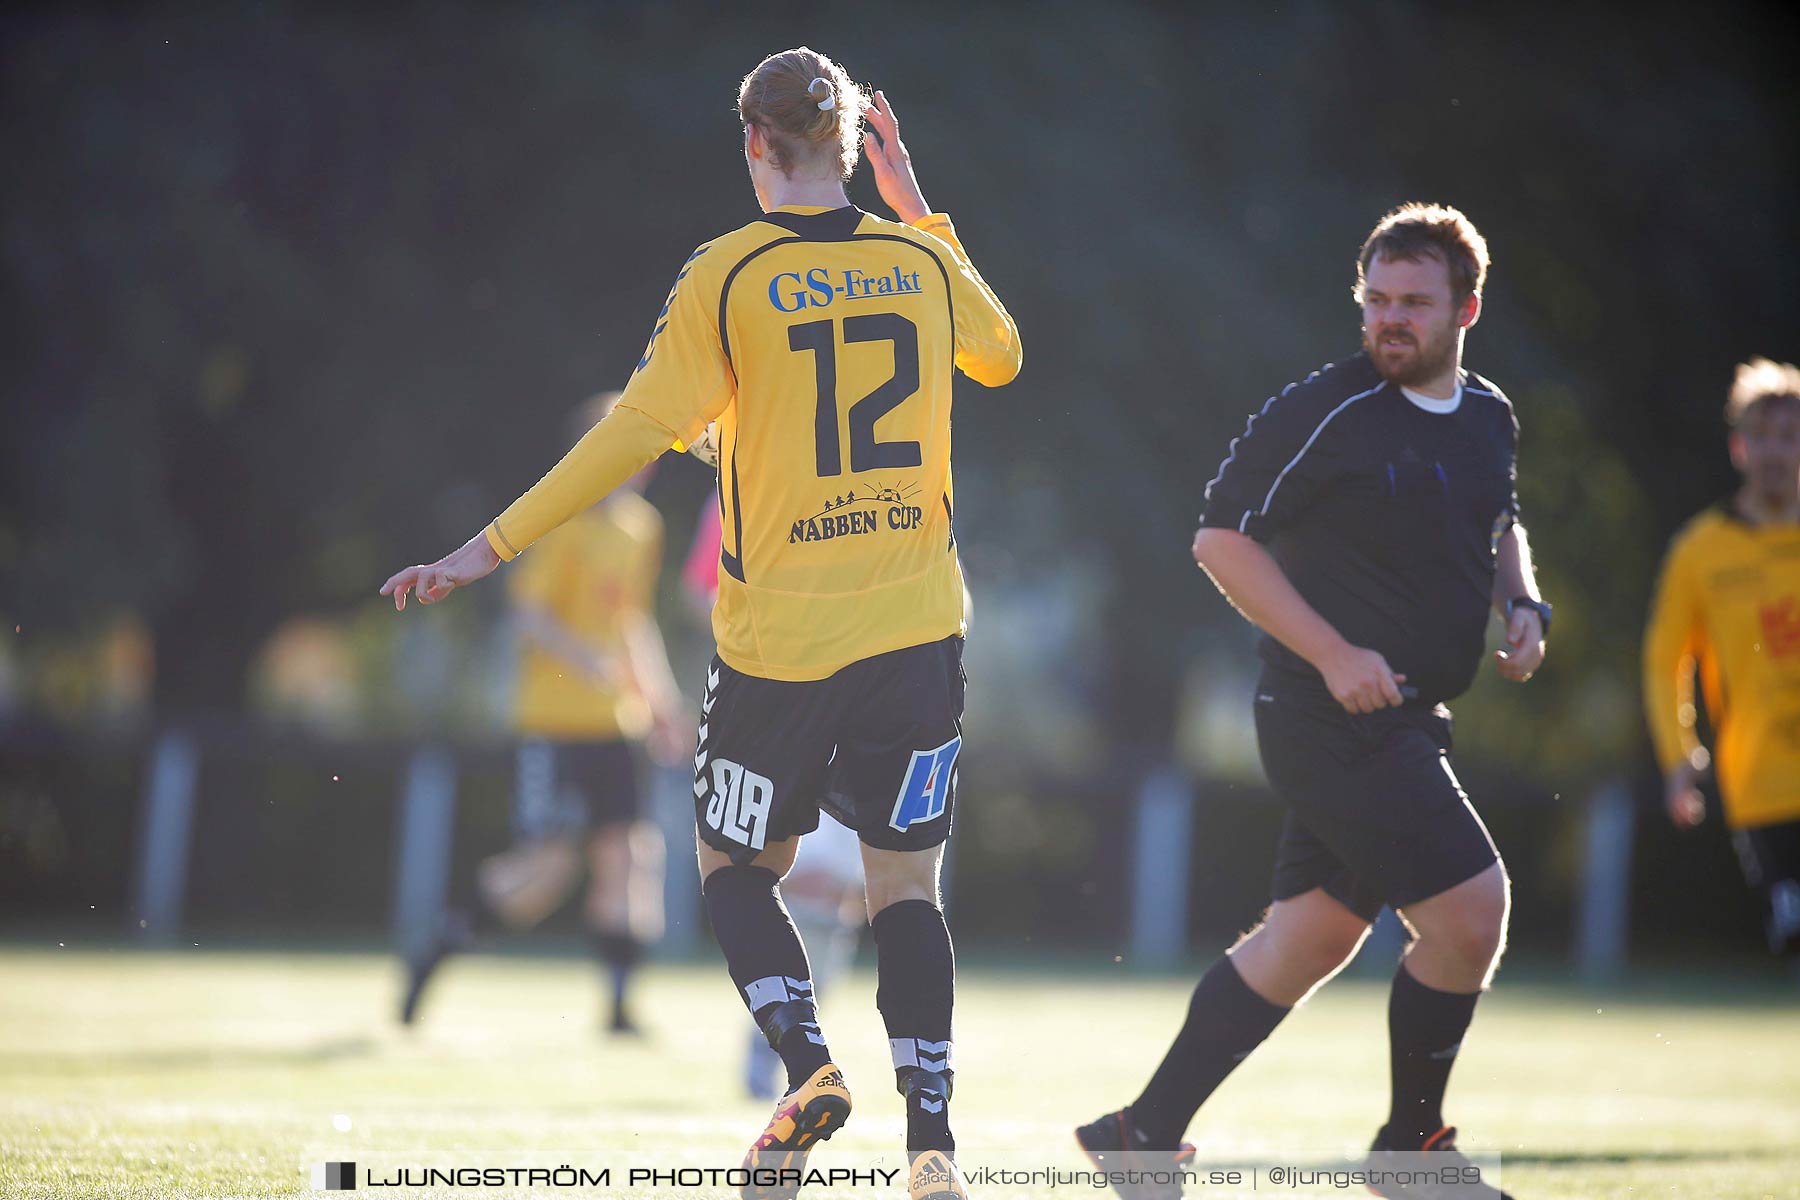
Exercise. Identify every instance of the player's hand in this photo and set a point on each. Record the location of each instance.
(891, 163)
(1523, 653)
(432, 583)
(1361, 680)
(1681, 796)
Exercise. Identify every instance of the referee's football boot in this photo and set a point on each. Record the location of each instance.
(802, 1119)
(1455, 1177)
(453, 934)
(934, 1176)
(1114, 1144)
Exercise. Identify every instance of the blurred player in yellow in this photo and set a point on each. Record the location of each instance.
(1728, 609)
(823, 341)
(593, 682)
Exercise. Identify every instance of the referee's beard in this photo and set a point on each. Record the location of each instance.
(1428, 355)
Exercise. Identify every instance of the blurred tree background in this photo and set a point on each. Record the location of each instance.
(302, 294)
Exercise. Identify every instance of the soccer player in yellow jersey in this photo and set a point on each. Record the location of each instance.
(1728, 608)
(593, 681)
(822, 340)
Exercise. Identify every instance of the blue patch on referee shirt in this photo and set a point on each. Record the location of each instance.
(926, 789)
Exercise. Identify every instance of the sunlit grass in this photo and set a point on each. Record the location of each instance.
(219, 1074)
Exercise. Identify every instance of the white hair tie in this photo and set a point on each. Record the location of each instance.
(830, 100)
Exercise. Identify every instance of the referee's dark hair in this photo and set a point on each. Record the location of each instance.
(1761, 381)
(1416, 231)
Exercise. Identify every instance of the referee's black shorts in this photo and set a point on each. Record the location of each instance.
(1375, 814)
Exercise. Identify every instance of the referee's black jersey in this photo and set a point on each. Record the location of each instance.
(1384, 515)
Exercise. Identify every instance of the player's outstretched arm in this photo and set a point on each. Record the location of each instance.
(431, 583)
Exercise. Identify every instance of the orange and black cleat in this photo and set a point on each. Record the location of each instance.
(934, 1177)
(803, 1118)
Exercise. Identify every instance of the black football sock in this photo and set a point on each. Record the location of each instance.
(768, 963)
(1225, 1022)
(1425, 1030)
(916, 990)
(621, 953)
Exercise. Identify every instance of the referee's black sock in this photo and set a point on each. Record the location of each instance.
(1425, 1030)
(915, 992)
(768, 963)
(1225, 1022)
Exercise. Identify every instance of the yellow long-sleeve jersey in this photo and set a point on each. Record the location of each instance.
(1728, 608)
(823, 342)
(593, 576)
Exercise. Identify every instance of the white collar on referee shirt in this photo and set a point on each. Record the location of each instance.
(1432, 404)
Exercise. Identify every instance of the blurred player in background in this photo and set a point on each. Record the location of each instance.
(1728, 608)
(593, 683)
(823, 341)
(1366, 521)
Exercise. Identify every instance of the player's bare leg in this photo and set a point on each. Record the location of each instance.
(624, 904)
(1301, 943)
(1461, 933)
(916, 992)
(526, 883)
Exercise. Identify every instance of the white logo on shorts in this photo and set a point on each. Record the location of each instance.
(739, 804)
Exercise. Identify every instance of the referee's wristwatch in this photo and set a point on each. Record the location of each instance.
(1542, 609)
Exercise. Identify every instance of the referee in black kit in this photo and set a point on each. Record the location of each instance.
(1365, 521)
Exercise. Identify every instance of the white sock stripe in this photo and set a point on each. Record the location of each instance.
(771, 989)
(931, 1106)
(924, 1054)
(777, 989)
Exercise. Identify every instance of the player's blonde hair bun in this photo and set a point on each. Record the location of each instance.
(807, 107)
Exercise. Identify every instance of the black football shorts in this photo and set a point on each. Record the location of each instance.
(566, 788)
(1375, 815)
(875, 745)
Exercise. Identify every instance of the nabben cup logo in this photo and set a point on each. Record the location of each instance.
(857, 512)
(334, 1177)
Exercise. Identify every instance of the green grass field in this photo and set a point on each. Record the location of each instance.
(127, 1073)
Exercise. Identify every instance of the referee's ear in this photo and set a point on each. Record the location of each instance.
(1471, 311)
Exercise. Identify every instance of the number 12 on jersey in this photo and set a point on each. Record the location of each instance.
(866, 454)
